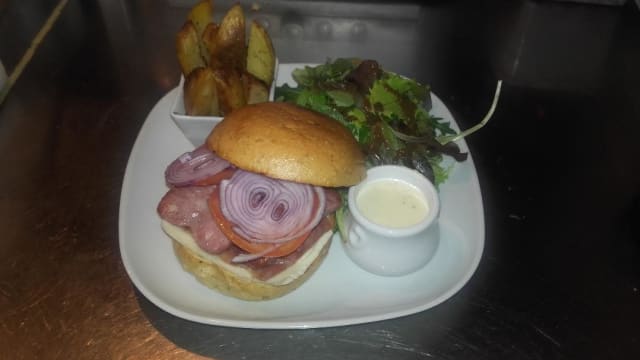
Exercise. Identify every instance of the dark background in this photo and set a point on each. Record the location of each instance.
(558, 164)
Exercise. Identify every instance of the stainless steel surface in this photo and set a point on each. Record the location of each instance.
(558, 168)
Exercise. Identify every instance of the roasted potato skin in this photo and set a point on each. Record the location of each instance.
(231, 39)
(261, 57)
(200, 15)
(188, 49)
(208, 40)
(200, 93)
(224, 69)
(230, 89)
(256, 90)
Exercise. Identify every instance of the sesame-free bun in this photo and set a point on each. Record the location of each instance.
(288, 142)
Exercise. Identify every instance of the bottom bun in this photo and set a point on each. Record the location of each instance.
(227, 280)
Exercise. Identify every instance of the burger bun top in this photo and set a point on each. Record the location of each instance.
(287, 142)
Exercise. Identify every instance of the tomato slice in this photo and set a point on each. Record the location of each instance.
(226, 226)
(217, 178)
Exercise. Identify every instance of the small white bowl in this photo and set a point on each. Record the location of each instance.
(197, 128)
(391, 250)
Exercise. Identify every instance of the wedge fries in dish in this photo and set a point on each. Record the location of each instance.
(229, 68)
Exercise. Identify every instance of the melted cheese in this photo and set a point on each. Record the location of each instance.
(288, 275)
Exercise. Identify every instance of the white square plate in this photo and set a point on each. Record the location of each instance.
(329, 297)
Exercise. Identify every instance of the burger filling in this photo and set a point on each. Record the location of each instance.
(245, 218)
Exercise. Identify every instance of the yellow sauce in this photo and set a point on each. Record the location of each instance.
(392, 203)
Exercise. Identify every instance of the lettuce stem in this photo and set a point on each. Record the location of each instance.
(451, 138)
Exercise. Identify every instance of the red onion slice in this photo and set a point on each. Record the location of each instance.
(193, 166)
(267, 210)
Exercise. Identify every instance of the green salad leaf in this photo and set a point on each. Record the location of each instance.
(388, 114)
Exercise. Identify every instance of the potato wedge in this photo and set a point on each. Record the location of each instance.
(231, 38)
(230, 89)
(208, 40)
(200, 93)
(188, 49)
(201, 15)
(255, 89)
(261, 57)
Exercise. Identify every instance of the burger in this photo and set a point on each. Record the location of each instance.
(251, 212)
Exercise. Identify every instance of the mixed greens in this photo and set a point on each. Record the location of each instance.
(388, 114)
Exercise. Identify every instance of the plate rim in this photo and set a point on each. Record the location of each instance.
(470, 269)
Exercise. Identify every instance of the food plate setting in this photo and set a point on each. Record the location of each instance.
(339, 293)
